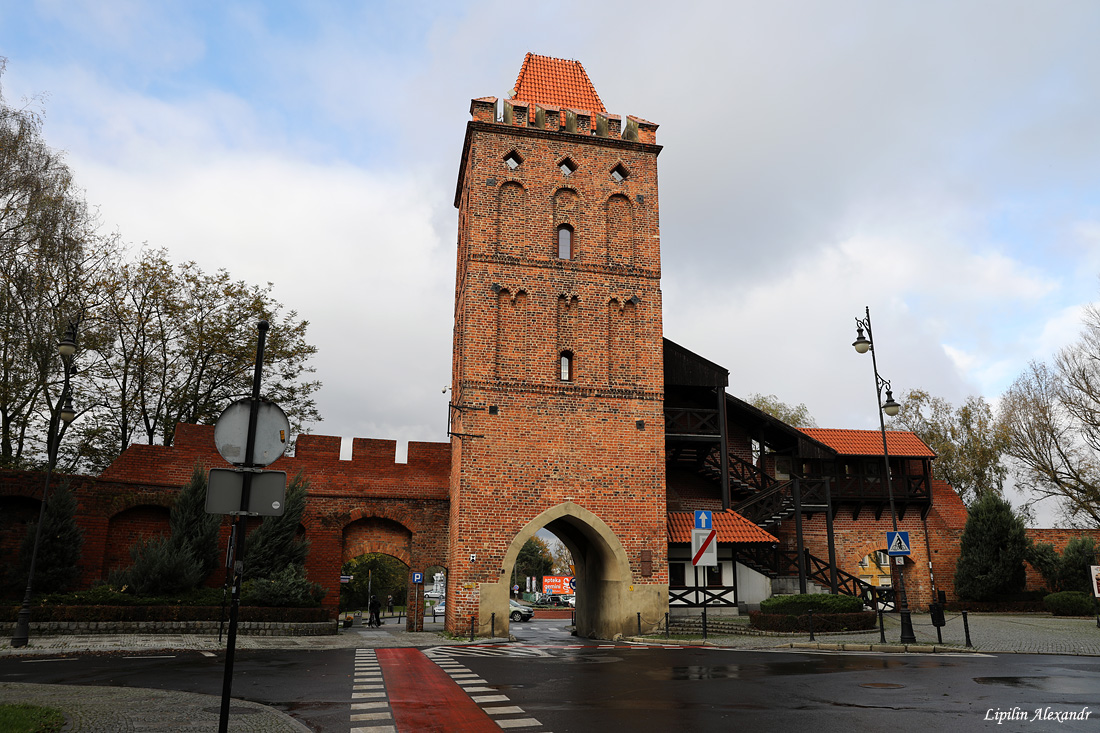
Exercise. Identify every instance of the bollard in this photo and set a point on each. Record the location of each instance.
(812, 625)
(639, 623)
(881, 628)
(966, 630)
(493, 625)
(704, 623)
(666, 625)
(472, 627)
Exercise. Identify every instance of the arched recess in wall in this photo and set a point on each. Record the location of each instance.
(16, 514)
(511, 235)
(129, 526)
(567, 212)
(620, 231)
(567, 313)
(511, 358)
(377, 535)
(621, 342)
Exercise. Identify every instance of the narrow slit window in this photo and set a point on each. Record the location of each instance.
(567, 366)
(565, 242)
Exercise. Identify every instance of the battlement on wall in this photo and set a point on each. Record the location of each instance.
(373, 468)
(517, 113)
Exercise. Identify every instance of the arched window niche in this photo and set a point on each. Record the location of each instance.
(565, 242)
(567, 366)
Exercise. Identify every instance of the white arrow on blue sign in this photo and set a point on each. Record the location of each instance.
(897, 543)
(703, 519)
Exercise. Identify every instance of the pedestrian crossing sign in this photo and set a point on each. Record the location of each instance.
(897, 543)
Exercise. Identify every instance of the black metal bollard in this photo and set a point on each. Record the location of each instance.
(666, 625)
(472, 627)
(493, 625)
(704, 623)
(812, 626)
(881, 628)
(639, 623)
(966, 629)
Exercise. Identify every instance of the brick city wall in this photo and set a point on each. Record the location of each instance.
(595, 439)
(1059, 538)
(347, 502)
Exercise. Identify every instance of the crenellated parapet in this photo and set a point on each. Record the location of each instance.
(519, 113)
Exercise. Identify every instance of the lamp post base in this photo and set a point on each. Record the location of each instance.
(22, 633)
(907, 635)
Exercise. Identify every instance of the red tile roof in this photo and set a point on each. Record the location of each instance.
(556, 83)
(900, 443)
(731, 526)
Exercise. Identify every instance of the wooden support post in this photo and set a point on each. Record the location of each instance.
(798, 536)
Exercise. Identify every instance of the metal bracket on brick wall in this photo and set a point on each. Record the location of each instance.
(450, 415)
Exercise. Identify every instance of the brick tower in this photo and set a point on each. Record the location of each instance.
(557, 384)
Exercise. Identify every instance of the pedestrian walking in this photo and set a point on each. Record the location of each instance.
(389, 605)
(373, 608)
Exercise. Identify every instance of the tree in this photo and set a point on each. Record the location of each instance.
(535, 559)
(1052, 415)
(51, 262)
(57, 567)
(374, 574)
(796, 415)
(275, 543)
(563, 559)
(184, 558)
(1052, 418)
(179, 345)
(194, 531)
(992, 551)
(968, 441)
(1074, 571)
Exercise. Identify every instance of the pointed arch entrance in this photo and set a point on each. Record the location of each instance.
(608, 602)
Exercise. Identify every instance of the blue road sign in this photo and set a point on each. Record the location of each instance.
(572, 583)
(897, 543)
(418, 578)
(703, 519)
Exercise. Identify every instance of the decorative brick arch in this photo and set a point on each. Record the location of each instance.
(138, 522)
(377, 535)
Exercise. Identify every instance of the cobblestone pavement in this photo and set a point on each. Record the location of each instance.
(989, 633)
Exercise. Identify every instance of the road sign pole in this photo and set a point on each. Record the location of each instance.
(238, 544)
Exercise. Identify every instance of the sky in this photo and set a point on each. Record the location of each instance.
(936, 161)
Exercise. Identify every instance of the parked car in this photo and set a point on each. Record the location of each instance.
(432, 594)
(519, 612)
(571, 600)
(439, 609)
(551, 599)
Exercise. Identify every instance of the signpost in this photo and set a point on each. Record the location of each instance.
(704, 552)
(242, 427)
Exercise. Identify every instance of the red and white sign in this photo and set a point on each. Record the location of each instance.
(558, 584)
(704, 547)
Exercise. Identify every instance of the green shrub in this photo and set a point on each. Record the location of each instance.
(817, 602)
(288, 587)
(992, 550)
(822, 622)
(162, 567)
(1074, 571)
(1069, 603)
(105, 595)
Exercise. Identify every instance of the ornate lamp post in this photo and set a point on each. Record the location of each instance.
(65, 414)
(862, 345)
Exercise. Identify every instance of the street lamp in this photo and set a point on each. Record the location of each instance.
(862, 345)
(66, 414)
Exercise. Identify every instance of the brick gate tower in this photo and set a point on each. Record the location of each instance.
(557, 384)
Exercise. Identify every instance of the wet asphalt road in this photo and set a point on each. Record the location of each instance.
(601, 687)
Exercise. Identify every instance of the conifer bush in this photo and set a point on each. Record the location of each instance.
(57, 567)
(992, 551)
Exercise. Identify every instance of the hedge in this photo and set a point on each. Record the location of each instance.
(816, 602)
(167, 613)
(1070, 603)
(822, 621)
